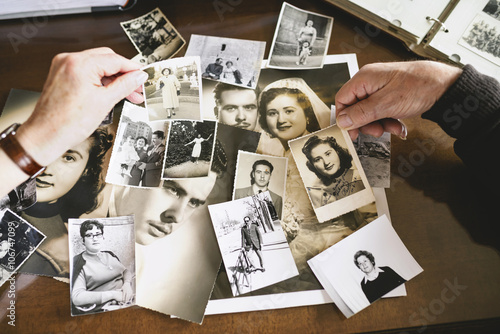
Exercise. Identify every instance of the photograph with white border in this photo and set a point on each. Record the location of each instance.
(18, 240)
(331, 172)
(173, 89)
(301, 39)
(102, 266)
(258, 173)
(254, 249)
(360, 269)
(138, 150)
(153, 36)
(190, 147)
(230, 60)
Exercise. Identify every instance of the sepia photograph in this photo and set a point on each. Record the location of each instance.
(72, 186)
(332, 174)
(301, 39)
(102, 264)
(230, 60)
(190, 146)
(139, 149)
(172, 90)
(253, 245)
(18, 240)
(153, 36)
(482, 36)
(257, 173)
(375, 157)
(371, 267)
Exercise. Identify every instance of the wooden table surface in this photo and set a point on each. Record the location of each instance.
(433, 203)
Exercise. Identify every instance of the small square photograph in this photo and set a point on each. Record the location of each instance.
(153, 36)
(253, 245)
(21, 197)
(18, 240)
(331, 172)
(190, 147)
(257, 173)
(375, 157)
(360, 269)
(172, 90)
(102, 264)
(301, 39)
(482, 36)
(138, 151)
(229, 60)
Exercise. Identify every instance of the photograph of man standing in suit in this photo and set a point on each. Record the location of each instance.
(260, 176)
(251, 239)
(154, 161)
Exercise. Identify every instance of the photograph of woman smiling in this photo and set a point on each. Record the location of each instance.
(286, 112)
(332, 164)
(68, 188)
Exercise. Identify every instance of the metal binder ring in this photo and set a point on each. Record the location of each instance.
(428, 18)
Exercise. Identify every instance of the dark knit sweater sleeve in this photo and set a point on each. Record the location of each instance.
(470, 112)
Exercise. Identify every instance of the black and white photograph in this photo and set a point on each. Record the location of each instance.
(331, 171)
(18, 240)
(375, 157)
(258, 173)
(253, 245)
(230, 60)
(153, 36)
(70, 187)
(482, 36)
(360, 269)
(139, 149)
(172, 90)
(190, 146)
(21, 197)
(301, 39)
(102, 264)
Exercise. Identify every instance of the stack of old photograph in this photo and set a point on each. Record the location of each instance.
(227, 185)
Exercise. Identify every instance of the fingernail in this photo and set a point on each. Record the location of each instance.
(141, 77)
(404, 130)
(344, 121)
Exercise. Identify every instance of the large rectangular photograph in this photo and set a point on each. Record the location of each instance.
(253, 245)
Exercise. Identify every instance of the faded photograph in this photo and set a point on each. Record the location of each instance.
(138, 151)
(154, 37)
(301, 39)
(172, 90)
(18, 240)
(230, 60)
(102, 264)
(253, 246)
(190, 147)
(375, 157)
(371, 267)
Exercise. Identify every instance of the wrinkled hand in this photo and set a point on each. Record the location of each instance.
(380, 94)
(81, 89)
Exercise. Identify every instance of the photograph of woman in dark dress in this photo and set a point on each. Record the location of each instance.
(378, 281)
(332, 164)
(68, 188)
(141, 144)
(99, 280)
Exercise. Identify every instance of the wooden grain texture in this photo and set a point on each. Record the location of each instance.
(435, 208)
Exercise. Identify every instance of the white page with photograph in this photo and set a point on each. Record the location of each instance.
(472, 37)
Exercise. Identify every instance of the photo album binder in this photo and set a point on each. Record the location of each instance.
(455, 31)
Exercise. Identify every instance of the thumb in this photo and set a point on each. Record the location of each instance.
(357, 115)
(126, 84)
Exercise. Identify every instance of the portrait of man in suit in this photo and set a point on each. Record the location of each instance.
(154, 162)
(251, 239)
(260, 176)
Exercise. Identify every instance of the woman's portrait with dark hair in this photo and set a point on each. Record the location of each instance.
(331, 173)
(68, 188)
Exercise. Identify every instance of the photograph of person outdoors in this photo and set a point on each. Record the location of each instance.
(231, 74)
(307, 34)
(170, 90)
(286, 112)
(68, 188)
(99, 280)
(332, 164)
(141, 145)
